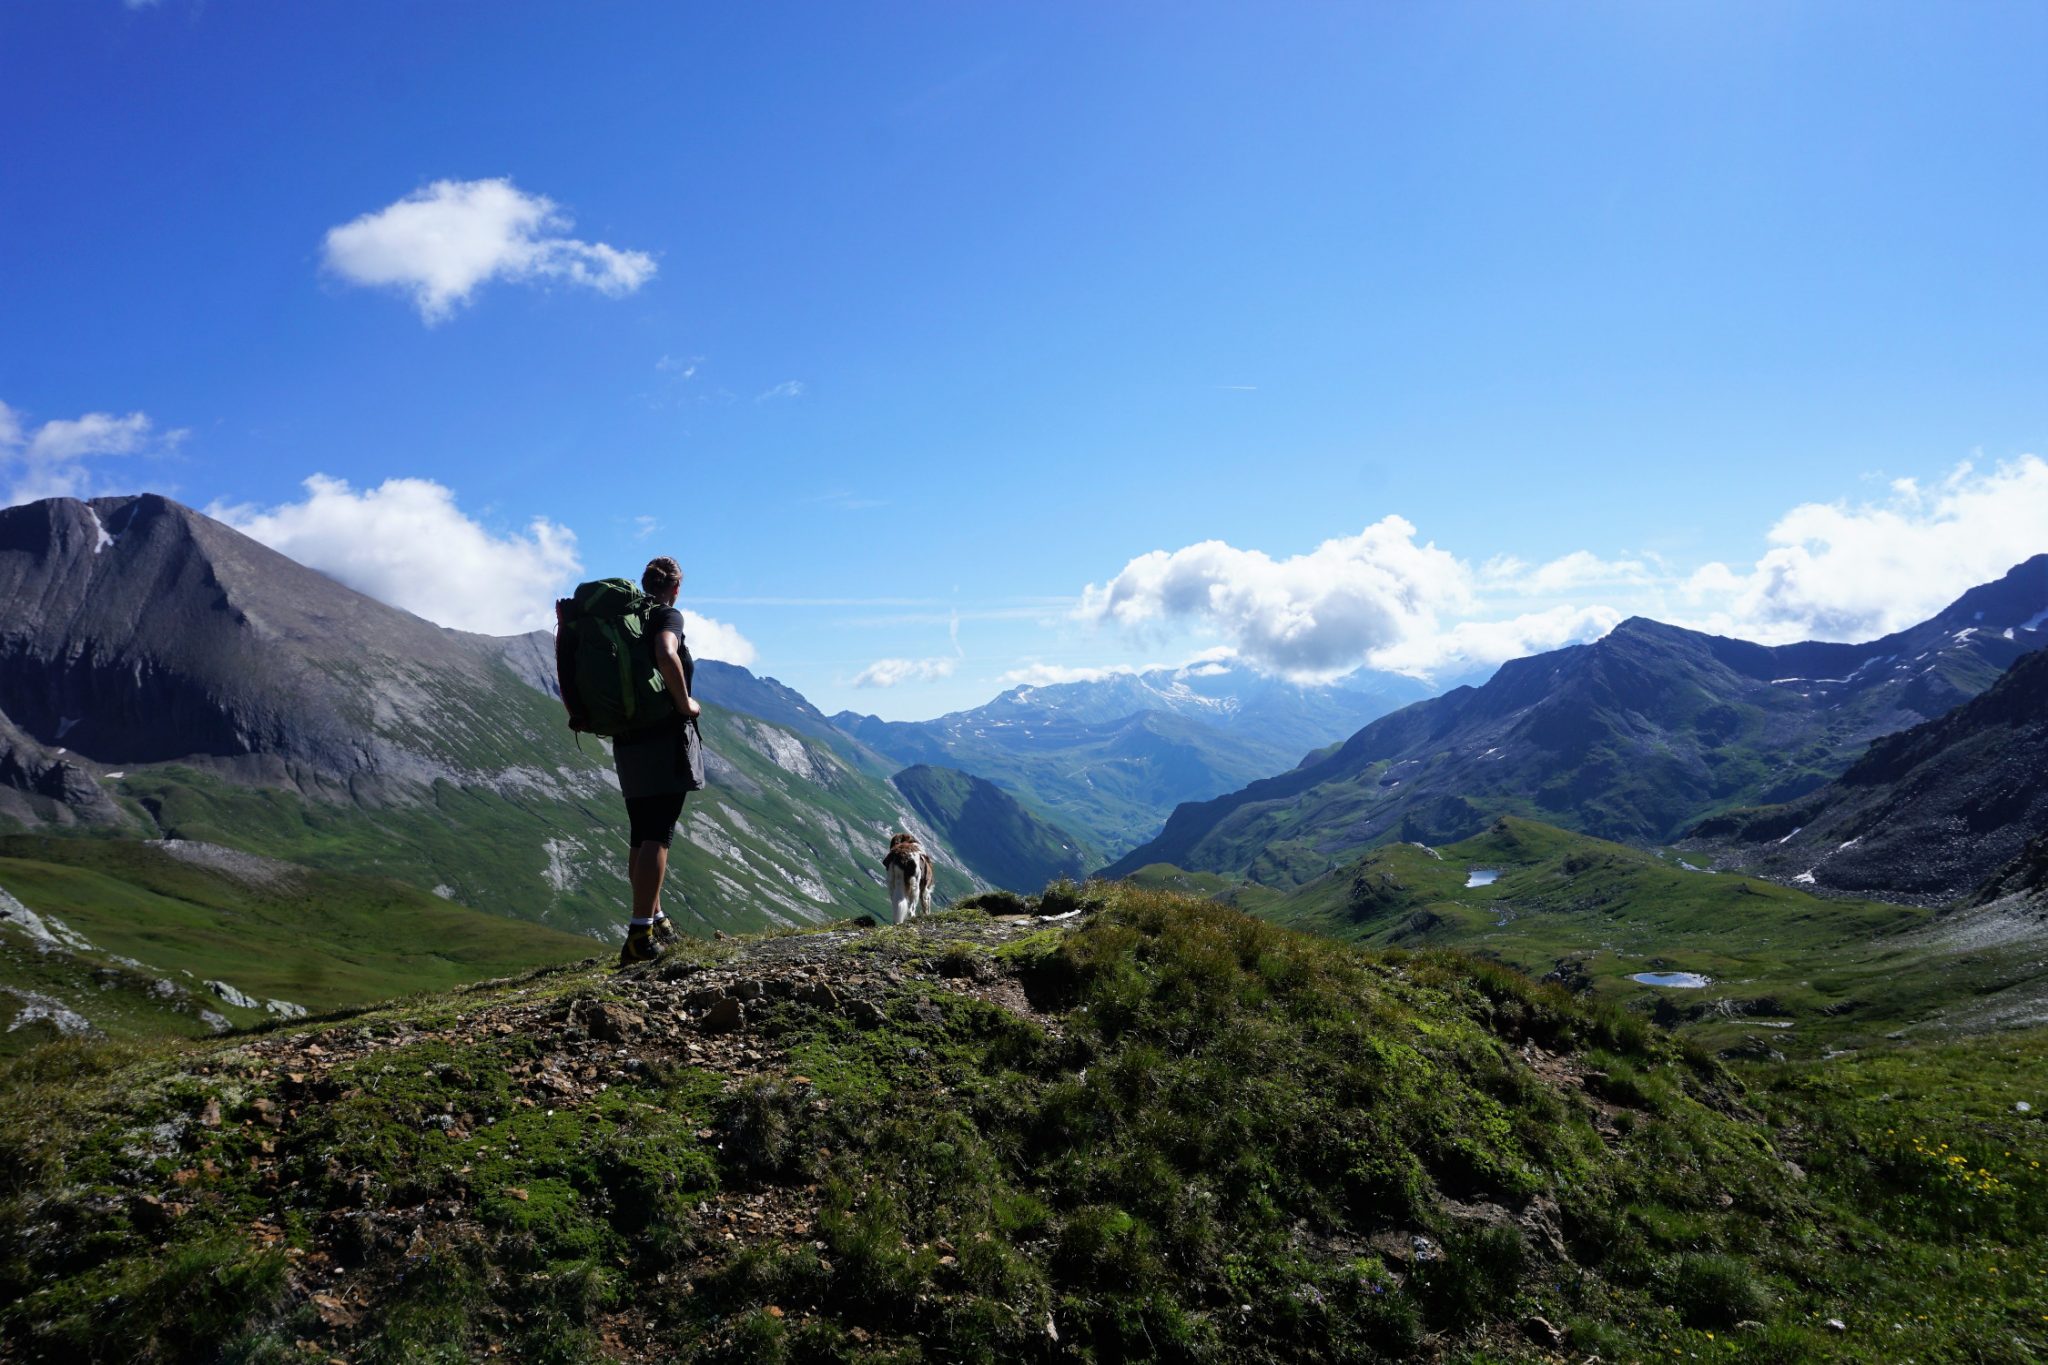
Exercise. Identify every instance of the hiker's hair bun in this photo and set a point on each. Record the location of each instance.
(660, 575)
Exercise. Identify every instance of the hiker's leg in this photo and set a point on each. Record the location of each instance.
(653, 826)
(647, 870)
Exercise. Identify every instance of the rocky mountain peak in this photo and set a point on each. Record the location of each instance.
(137, 630)
(2017, 601)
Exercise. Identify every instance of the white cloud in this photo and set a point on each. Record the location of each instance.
(1052, 675)
(1567, 573)
(788, 388)
(1853, 572)
(407, 543)
(440, 243)
(49, 461)
(1318, 614)
(709, 639)
(1379, 599)
(890, 672)
(1486, 644)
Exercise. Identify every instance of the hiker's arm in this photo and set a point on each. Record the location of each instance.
(671, 665)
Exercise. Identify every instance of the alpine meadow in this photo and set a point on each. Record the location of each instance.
(797, 684)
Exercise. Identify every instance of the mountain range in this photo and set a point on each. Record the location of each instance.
(1109, 758)
(1635, 737)
(163, 677)
(162, 674)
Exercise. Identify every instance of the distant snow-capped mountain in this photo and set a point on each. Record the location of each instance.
(1110, 757)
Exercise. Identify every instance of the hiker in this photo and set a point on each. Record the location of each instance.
(658, 765)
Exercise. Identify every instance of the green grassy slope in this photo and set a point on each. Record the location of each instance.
(1790, 972)
(788, 833)
(1188, 1135)
(141, 933)
(1001, 839)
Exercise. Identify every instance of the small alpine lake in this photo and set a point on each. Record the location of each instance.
(1682, 981)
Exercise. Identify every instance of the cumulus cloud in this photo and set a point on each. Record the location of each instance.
(439, 244)
(1843, 571)
(407, 543)
(1052, 675)
(890, 672)
(50, 460)
(709, 639)
(1488, 644)
(1567, 573)
(1318, 614)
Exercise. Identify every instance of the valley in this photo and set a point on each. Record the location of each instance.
(1786, 973)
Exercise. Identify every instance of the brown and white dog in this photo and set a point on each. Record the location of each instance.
(911, 872)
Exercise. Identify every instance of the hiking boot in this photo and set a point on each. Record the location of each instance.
(664, 932)
(639, 946)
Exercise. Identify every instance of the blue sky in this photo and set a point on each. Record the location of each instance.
(911, 323)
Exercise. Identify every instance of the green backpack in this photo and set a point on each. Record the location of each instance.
(604, 659)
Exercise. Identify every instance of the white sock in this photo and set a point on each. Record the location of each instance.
(639, 923)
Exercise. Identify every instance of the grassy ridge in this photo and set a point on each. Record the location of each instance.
(1213, 1139)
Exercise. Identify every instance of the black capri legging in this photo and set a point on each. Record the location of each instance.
(654, 817)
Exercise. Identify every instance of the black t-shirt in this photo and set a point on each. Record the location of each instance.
(671, 620)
